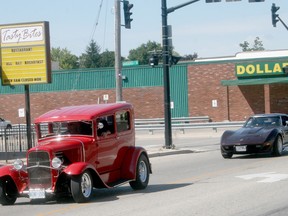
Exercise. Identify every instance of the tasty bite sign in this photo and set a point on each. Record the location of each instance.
(260, 69)
(25, 53)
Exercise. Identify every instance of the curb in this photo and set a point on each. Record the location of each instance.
(167, 152)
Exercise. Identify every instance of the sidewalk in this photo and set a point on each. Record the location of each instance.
(183, 143)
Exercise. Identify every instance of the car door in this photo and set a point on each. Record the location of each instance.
(125, 134)
(107, 145)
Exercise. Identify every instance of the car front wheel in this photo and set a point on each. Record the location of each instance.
(278, 146)
(225, 154)
(142, 174)
(8, 192)
(82, 187)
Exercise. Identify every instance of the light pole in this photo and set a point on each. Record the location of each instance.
(166, 77)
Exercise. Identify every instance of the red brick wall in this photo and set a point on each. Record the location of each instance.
(235, 103)
(245, 101)
(204, 85)
(148, 102)
(279, 101)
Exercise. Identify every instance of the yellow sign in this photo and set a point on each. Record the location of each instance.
(25, 54)
(260, 69)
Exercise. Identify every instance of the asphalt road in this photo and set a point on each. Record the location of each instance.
(186, 183)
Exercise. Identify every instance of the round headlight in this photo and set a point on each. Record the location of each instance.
(18, 164)
(56, 163)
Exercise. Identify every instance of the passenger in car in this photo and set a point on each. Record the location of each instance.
(103, 128)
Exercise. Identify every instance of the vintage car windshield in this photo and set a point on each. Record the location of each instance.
(65, 128)
(263, 122)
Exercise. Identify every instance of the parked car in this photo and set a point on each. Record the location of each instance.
(5, 124)
(260, 133)
(79, 148)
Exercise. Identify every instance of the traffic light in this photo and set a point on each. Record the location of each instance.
(275, 19)
(173, 60)
(127, 14)
(153, 60)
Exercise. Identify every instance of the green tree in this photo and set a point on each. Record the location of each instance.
(189, 57)
(143, 52)
(91, 59)
(107, 59)
(65, 58)
(257, 46)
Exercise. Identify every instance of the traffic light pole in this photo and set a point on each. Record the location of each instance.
(283, 23)
(166, 78)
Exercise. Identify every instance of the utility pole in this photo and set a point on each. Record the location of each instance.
(118, 64)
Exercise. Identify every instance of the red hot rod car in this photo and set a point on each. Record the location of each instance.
(79, 148)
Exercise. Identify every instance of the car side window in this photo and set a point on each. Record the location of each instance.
(123, 121)
(284, 120)
(105, 126)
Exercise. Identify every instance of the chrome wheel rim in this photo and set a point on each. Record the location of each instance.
(142, 171)
(279, 145)
(86, 185)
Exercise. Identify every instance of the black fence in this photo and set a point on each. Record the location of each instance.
(14, 143)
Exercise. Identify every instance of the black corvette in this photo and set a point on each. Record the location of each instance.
(261, 133)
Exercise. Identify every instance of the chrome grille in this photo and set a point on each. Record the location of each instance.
(39, 169)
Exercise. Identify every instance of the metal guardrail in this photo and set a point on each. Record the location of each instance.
(184, 123)
(139, 122)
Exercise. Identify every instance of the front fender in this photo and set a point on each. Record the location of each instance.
(273, 135)
(19, 177)
(225, 135)
(129, 166)
(78, 168)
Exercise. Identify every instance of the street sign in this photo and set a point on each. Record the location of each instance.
(130, 63)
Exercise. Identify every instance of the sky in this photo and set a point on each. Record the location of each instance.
(208, 29)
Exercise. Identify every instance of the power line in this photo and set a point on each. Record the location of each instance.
(96, 21)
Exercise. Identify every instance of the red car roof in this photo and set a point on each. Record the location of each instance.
(82, 112)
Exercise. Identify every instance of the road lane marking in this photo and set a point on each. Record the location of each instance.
(268, 177)
(62, 210)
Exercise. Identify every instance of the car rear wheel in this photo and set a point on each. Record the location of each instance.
(142, 174)
(82, 187)
(278, 146)
(8, 192)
